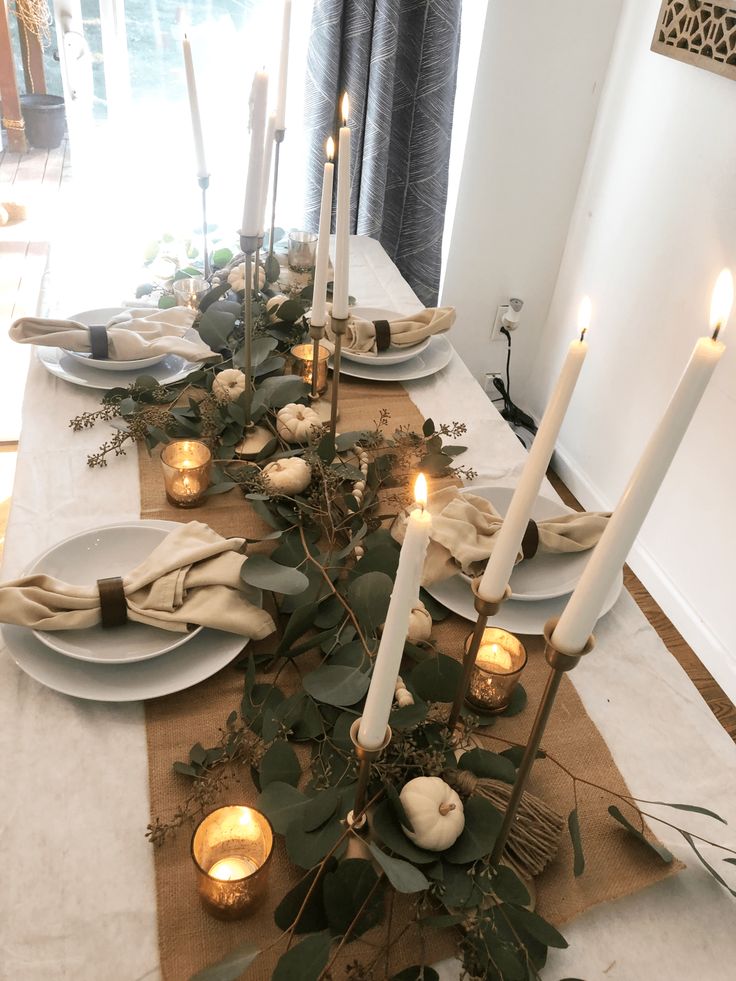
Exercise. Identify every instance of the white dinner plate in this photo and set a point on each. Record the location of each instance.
(392, 355)
(514, 616)
(545, 575)
(434, 358)
(102, 315)
(98, 554)
(59, 363)
(207, 654)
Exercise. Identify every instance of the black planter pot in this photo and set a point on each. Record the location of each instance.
(45, 120)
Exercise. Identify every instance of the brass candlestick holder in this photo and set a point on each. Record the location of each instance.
(339, 328)
(484, 610)
(278, 138)
(204, 183)
(255, 437)
(318, 386)
(559, 664)
(356, 818)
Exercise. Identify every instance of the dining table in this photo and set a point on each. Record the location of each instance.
(77, 890)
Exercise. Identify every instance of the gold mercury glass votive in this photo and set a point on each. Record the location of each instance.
(231, 848)
(189, 292)
(186, 465)
(501, 659)
(303, 355)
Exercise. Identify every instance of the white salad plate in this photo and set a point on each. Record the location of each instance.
(208, 653)
(546, 575)
(169, 370)
(392, 355)
(102, 315)
(112, 550)
(436, 356)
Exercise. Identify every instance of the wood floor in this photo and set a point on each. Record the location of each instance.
(717, 700)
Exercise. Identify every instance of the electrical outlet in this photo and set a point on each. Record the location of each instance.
(501, 312)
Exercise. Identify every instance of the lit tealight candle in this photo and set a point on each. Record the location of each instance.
(229, 869)
(501, 659)
(186, 466)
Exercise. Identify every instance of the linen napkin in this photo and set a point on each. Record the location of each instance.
(464, 527)
(372, 337)
(131, 335)
(192, 576)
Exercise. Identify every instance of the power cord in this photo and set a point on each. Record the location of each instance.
(510, 412)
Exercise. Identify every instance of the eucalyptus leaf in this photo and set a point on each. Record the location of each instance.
(408, 716)
(436, 679)
(231, 967)
(573, 826)
(260, 571)
(482, 824)
(346, 889)
(279, 764)
(394, 799)
(299, 622)
(435, 464)
(283, 389)
(537, 926)
(369, 597)
(346, 441)
(306, 961)
(320, 808)
(326, 448)
(283, 805)
(307, 848)
(387, 829)
(516, 704)
(312, 916)
(403, 876)
(436, 610)
(459, 889)
(508, 887)
(336, 685)
(418, 972)
(654, 846)
(331, 612)
(492, 766)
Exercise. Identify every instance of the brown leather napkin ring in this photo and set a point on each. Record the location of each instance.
(530, 541)
(113, 605)
(98, 342)
(383, 334)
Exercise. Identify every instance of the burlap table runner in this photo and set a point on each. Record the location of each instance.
(616, 865)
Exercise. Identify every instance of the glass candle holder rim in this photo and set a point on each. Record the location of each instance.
(180, 285)
(486, 670)
(175, 443)
(227, 807)
(308, 347)
(303, 237)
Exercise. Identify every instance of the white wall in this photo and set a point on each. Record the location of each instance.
(538, 84)
(654, 222)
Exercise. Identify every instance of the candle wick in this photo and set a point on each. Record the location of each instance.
(583, 333)
(717, 331)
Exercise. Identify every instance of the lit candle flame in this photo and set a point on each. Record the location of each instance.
(721, 302)
(420, 491)
(585, 312)
(330, 149)
(345, 109)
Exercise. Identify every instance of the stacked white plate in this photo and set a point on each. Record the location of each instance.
(396, 363)
(540, 586)
(119, 664)
(82, 369)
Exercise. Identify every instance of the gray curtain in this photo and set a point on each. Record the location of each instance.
(397, 59)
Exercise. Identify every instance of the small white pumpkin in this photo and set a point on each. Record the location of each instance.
(229, 385)
(236, 277)
(272, 307)
(420, 623)
(288, 477)
(297, 423)
(435, 811)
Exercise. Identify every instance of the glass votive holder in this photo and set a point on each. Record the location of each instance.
(303, 355)
(186, 465)
(231, 848)
(189, 292)
(501, 659)
(302, 251)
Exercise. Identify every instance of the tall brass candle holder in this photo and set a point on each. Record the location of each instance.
(339, 328)
(255, 437)
(278, 138)
(204, 183)
(484, 610)
(356, 818)
(559, 663)
(317, 378)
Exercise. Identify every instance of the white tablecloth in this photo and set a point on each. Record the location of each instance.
(76, 882)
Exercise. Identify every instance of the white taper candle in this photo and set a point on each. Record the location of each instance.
(404, 596)
(341, 289)
(319, 295)
(283, 67)
(266, 176)
(194, 108)
(581, 613)
(506, 547)
(254, 183)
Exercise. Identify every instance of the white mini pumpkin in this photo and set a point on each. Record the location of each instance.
(229, 385)
(435, 812)
(297, 423)
(272, 307)
(236, 277)
(420, 623)
(288, 477)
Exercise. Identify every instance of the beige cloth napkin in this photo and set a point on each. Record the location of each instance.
(464, 527)
(405, 331)
(192, 576)
(132, 335)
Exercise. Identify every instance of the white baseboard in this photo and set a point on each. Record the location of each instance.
(711, 651)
